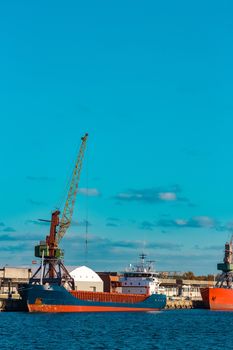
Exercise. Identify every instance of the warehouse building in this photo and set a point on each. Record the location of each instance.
(87, 279)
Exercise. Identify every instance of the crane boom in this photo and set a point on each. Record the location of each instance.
(70, 200)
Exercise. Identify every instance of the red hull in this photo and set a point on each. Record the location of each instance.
(75, 308)
(218, 298)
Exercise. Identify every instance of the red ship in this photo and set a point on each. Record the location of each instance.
(220, 297)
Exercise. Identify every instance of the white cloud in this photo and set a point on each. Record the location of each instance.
(204, 221)
(181, 222)
(91, 192)
(168, 196)
(194, 222)
(153, 195)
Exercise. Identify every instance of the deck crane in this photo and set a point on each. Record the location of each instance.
(52, 269)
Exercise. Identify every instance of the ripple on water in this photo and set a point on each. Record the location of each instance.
(178, 329)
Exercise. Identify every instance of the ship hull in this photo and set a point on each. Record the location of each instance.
(217, 298)
(54, 298)
(74, 308)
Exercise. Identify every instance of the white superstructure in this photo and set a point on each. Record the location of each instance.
(140, 279)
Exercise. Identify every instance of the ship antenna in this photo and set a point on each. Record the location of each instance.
(142, 257)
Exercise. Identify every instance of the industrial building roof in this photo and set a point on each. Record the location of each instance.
(84, 273)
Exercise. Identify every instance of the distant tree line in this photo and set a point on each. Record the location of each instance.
(191, 276)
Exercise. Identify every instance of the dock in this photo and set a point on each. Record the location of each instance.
(179, 304)
(184, 304)
(11, 303)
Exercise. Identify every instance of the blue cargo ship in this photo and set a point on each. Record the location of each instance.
(55, 298)
(140, 292)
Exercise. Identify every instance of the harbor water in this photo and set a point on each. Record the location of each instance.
(172, 329)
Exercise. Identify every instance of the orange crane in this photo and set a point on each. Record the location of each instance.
(52, 269)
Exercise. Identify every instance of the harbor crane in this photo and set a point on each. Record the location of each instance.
(225, 280)
(52, 269)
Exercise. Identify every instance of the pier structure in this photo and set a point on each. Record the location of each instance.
(183, 288)
(10, 279)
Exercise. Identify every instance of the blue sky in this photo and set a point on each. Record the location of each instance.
(151, 82)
